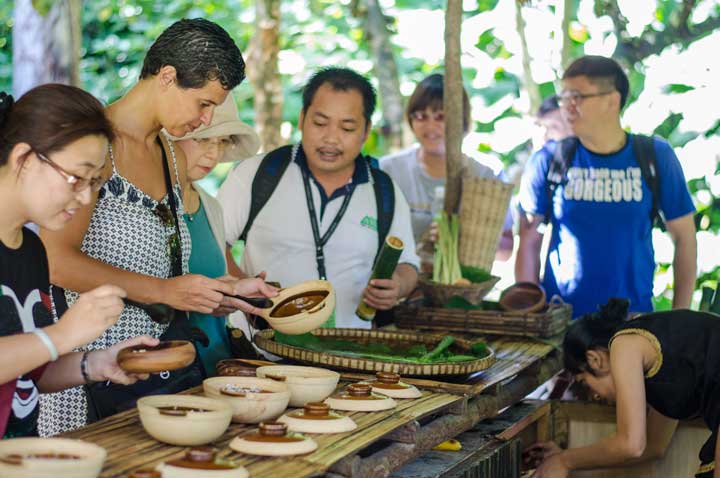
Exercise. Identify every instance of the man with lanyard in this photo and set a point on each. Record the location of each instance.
(321, 219)
(602, 210)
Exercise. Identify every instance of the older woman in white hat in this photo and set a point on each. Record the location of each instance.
(226, 138)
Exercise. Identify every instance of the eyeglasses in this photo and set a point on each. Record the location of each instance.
(575, 97)
(208, 143)
(174, 249)
(76, 183)
(438, 116)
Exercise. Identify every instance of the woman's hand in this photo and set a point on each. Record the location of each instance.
(552, 467)
(93, 313)
(102, 364)
(535, 454)
(195, 293)
(255, 287)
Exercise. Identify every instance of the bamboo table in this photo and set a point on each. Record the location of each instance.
(382, 442)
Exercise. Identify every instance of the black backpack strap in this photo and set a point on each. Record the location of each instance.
(271, 169)
(644, 151)
(385, 201)
(557, 171)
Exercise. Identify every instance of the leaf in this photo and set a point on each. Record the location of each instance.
(669, 125)
(677, 88)
(43, 7)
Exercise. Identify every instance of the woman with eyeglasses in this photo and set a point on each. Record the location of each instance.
(131, 233)
(420, 169)
(52, 153)
(226, 139)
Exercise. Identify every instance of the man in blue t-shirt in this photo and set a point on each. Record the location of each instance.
(601, 242)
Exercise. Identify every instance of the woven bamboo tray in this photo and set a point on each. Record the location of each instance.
(264, 340)
(549, 323)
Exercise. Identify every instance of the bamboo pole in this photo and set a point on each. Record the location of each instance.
(453, 105)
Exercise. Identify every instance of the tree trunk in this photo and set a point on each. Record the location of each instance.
(530, 85)
(453, 105)
(46, 48)
(263, 73)
(563, 9)
(386, 71)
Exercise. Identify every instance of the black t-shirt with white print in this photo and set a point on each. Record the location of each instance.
(24, 305)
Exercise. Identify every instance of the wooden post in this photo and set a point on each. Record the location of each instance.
(453, 105)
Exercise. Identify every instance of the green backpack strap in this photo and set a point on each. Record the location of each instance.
(271, 169)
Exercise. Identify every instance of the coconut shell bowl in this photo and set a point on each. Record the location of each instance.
(301, 308)
(167, 355)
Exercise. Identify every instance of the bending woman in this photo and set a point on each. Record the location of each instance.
(52, 151)
(131, 233)
(669, 361)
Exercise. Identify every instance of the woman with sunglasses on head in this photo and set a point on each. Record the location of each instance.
(131, 233)
(52, 152)
(225, 139)
(658, 368)
(420, 169)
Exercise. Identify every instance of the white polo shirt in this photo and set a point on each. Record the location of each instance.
(281, 242)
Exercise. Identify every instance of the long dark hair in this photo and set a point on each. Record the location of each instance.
(50, 117)
(592, 332)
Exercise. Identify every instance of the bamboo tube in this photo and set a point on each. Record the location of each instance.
(384, 267)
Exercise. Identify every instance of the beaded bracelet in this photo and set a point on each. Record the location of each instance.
(40, 333)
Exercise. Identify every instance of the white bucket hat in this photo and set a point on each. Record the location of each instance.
(225, 122)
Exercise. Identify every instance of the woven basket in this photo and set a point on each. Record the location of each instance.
(264, 340)
(548, 323)
(439, 294)
(483, 208)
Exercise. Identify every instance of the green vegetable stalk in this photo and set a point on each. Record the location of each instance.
(384, 267)
(446, 269)
(444, 344)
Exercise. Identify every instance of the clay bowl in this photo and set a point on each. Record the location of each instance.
(306, 384)
(235, 368)
(168, 355)
(272, 439)
(301, 308)
(55, 457)
(316, 417)
(253, 400)
(203, 462)
(184, 420)
(390, 385)
(523, 298)
(358, 397)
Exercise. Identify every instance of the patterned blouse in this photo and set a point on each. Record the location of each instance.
(126, 233)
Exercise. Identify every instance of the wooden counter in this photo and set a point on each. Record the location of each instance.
(383, 441)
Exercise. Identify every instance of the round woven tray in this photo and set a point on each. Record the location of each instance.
(264, 340)
(439, 294)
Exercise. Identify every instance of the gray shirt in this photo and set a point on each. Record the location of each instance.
(419, 188)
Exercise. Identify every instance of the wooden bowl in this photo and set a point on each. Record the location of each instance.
(235, 368)
(185, 420)
(306, 384)
(201, 462)
(55, 457)
(263, 399)
(169, 355)
(523, 297)
(301, 308)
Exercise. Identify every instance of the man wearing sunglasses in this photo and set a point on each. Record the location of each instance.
(602, 208)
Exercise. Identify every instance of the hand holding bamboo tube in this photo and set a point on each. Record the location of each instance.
(384, 267)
